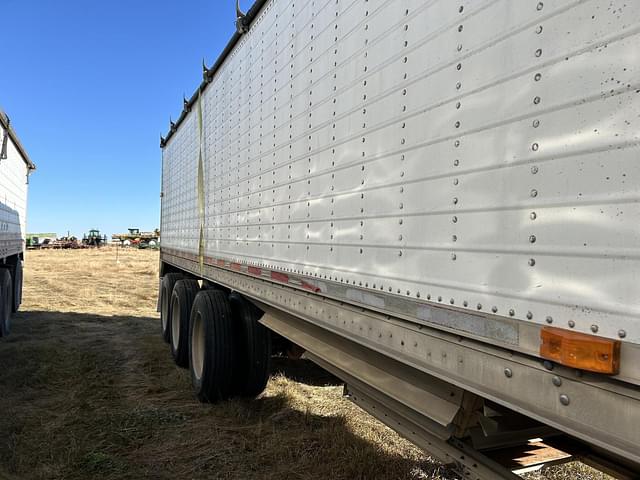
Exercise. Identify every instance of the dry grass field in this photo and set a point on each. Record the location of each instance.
(88, 390)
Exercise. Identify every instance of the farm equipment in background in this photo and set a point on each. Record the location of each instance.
(62, 243)
(94, 239)
(37, 240)
(136, 238)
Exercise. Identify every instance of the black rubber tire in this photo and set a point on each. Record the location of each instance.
(211, 348)
(166, 289)
(17, 286)
(6, 301)
(184, 293)
(253, 348)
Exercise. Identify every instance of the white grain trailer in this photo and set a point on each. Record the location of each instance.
(15, 168)
(438, 201)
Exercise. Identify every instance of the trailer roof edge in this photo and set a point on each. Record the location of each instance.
(209, 73)
(6, 124)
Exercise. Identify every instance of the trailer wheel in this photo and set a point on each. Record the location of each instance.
(17, 286)
(184, 293)
(211, 349)
(253, 347)
(6, 301)
(168, 281)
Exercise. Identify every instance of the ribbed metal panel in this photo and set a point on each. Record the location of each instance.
(13, 195)
(475, 154)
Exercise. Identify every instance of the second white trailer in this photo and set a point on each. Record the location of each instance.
(15, 168)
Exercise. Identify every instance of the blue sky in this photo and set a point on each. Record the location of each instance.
(89, 87)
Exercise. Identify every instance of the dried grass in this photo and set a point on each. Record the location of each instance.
(89, 391)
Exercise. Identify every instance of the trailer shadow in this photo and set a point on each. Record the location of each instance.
(93, 396)
(303, 371)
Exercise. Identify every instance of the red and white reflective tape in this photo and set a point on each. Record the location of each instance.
(273, 275)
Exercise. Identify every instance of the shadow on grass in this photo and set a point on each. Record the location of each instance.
(303, 371)
(92, 396)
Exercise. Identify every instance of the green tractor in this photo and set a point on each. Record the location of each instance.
(94, 239)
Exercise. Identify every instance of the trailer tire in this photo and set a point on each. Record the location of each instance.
(253, 347)
(211, 349)
(6, 301)
(166, 289)
(184, 293)
(17, 286)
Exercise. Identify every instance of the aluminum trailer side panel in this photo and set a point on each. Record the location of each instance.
(478, 154)
(14, 171)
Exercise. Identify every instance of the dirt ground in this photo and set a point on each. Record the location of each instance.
(88, 390)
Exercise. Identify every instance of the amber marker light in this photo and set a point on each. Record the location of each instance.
(579, 350)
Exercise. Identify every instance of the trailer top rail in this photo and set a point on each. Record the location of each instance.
(5, 122)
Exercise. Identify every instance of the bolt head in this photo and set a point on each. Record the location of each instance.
(557, 381)
(508, 373)
(564, 400)
(622, 333)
